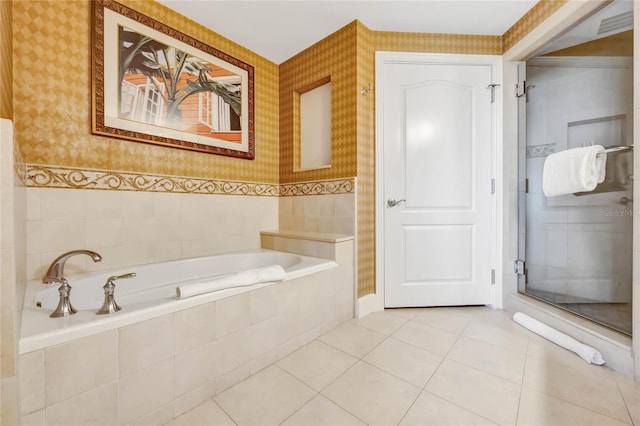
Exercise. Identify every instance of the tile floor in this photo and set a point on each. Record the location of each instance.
(434, 366)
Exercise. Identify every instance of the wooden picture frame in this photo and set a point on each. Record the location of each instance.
(154, 84)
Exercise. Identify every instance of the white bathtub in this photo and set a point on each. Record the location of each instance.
(150, 294)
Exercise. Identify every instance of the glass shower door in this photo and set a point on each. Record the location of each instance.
(578, 246)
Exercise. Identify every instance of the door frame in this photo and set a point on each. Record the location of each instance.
(375, 302)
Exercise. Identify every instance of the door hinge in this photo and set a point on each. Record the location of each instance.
(518, 267)
(521, 89)
(526, 185)
(493, 185)
(493, 86)
(493, 276)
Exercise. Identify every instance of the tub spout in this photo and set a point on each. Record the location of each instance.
(55, 273)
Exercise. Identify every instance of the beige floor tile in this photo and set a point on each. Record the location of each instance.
(453, 320)
(432, 410)
(382, 322)
(631, 394)
(432, 339)
(322, 412)
(205, 414)
(266, 398)
(593, 392)
(407, 313)
(489, 358)
(353, 339)
(404, 361)
(497, 335)
(496, 316)
(541, 348)
(540, 409)
(317, 364)
(481, 393)
(372, 395)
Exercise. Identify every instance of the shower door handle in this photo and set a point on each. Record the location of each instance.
(392, 202)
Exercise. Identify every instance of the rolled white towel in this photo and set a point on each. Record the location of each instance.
(241, 279)
(574, 170)
(589, 354)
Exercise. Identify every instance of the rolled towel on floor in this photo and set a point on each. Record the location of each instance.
(241, 279)
(574, 170)
(589, 354)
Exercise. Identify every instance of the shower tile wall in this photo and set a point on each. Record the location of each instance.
(579, 246)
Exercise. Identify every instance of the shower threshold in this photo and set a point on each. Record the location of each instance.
(614, 316)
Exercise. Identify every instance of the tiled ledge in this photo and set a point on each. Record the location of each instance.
(311, 236)
(325, 246)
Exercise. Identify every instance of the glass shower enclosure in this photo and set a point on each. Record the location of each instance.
(576, 249)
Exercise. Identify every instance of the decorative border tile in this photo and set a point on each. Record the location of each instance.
(534, 151)
(40, 176)
(335, 186)
(65, 177)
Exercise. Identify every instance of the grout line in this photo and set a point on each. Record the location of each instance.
(524, 369)
(624, 401)
(410, 406)
(221, 408)
(460, 406)
(578, 405)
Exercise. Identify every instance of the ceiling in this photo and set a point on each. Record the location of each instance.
(277, 30)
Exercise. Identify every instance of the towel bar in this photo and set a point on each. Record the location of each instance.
(619, 148)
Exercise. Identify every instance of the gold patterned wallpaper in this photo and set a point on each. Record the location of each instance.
(6, 61)
(437, 43)
(51, 112)
(335, 57)
(51, 45)
(534, 17)
(366, 194)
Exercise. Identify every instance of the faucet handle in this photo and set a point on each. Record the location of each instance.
(64, 305)
(120, 277)
(109, 305)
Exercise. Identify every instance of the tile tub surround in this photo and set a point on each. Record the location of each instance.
(133, 227)
(155, 370)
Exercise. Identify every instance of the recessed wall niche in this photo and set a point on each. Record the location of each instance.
(312, 126)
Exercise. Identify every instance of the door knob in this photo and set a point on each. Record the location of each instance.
(392, 202)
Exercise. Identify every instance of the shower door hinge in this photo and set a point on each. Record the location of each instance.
(493, 86)
(493, 276)
(521, 89)
(493, 185)
(518, 267)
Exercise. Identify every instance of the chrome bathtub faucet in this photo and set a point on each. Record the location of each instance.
(55, 274)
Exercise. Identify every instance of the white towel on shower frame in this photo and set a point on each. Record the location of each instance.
(574, 170)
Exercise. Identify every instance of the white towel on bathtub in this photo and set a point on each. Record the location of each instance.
(241, 279)
(574, 170)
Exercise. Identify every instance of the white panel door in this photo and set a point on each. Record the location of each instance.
(437, 147)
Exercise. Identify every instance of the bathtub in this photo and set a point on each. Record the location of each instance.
(151, 293)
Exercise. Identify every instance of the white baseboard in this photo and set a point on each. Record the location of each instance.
(367, 304)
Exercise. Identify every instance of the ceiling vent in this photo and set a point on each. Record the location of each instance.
(616, 23)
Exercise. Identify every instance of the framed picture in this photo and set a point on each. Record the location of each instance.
(154, 84)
